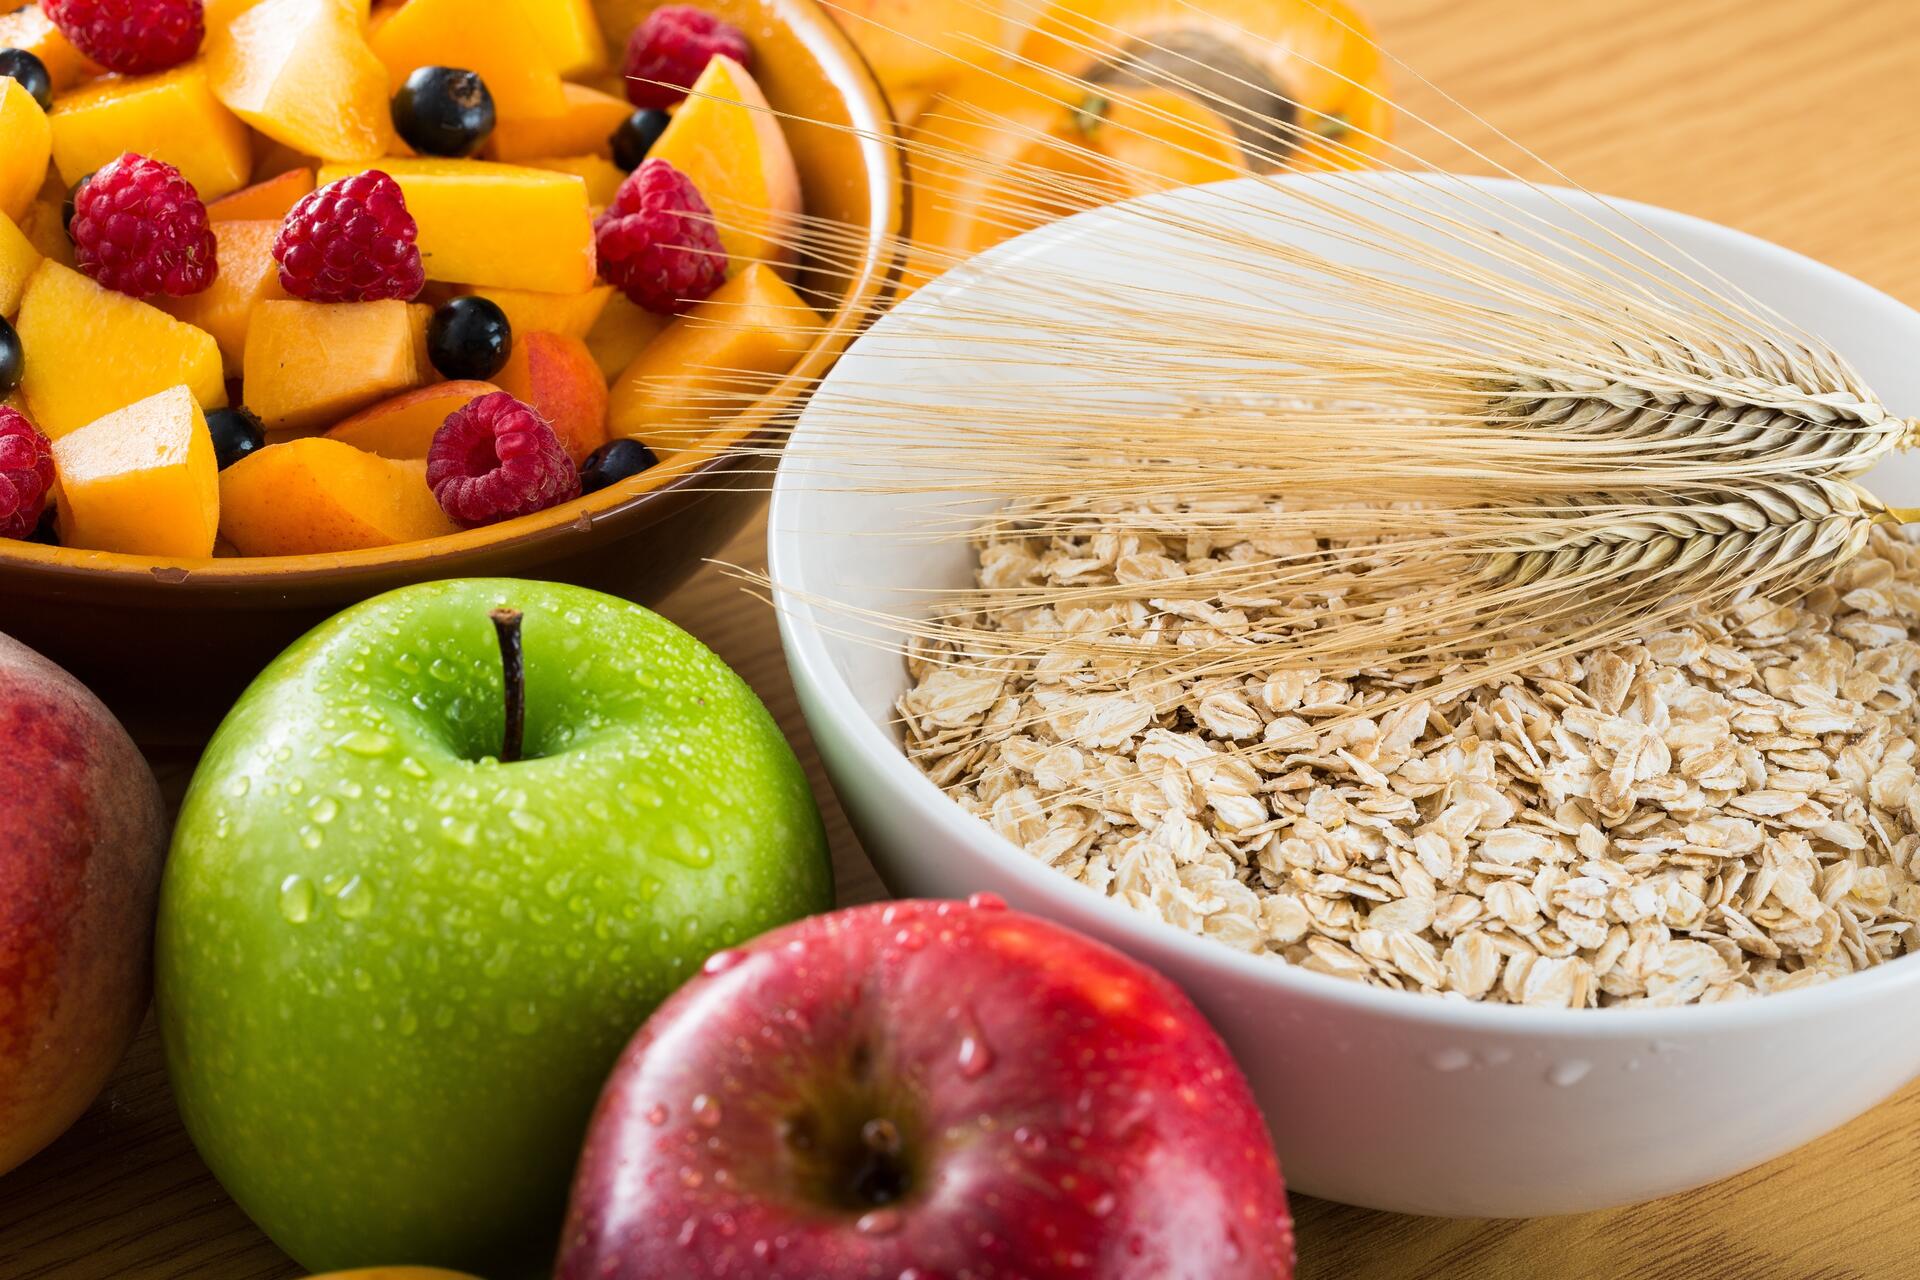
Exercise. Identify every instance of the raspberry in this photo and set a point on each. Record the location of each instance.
(657, 241)
(139, 228)
(351, 241)
(496, 458)
(132, 37)
(668, 51)
(26, 475)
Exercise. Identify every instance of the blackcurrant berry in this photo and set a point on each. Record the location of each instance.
(469, 339)
(443, 111)
(18, 64)
(613, 462)
(236, 433)
(13, 359)
(636, 135)
(67, 205)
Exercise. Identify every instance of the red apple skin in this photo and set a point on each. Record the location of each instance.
(1062, 1112)
(82, 837)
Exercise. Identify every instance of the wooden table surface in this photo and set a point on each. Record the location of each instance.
(1798, 120)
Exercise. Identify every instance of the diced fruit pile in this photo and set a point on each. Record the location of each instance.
(283, 277)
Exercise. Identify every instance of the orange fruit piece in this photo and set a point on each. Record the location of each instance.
(316, 495)
(141, 480)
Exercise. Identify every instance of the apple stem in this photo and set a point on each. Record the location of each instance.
(513, 671)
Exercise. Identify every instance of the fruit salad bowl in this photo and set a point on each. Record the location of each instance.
(168, 642)
(1395, 1101)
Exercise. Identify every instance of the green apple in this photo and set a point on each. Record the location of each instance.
(394, 969)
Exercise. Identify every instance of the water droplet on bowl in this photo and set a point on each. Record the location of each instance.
(1569, 1073)
(1450, 1059)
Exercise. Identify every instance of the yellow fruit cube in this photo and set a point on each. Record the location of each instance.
(602, 176)
(26, 140)
(573, 314)
(622, 332)
(586, 127)
(719, 356)
(248, 276)
(309, 364)
(32, 31)
(172, 116)
(726, 140)
(499, 41)
(301, 73)
(494, 224)
(312, 496)
(18, 258)
(142, 480)
(570, 32)
(91, 351)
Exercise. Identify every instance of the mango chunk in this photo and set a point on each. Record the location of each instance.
(623, 330)
(726, 140)
(602, 176)
(586, 126)
(570, 32)
(404, 426)
(18, 258)
(172, 116)
(26, 140)
(494, 224)
(312, 496)
(309, 364)
(248, 276)
(498, 40)
(272, 199)
(719, 356)
(30, 29)
(92, 351)
(142, 480)
(573, 314)
(301, 73)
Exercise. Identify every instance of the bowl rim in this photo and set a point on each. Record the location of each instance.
(691, 474)
(887, 765)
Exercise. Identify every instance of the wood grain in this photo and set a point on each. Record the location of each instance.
(1797, 120)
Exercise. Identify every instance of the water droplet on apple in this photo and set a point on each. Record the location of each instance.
(878, 1222)
(987, 902)
(706, 1111)
(413, 768)
(409, 1022)
(721, 961)
(354, 899)
(689, 1230)
(443, 670)
(657, 1114)
(464, 834)
(296, 899)
(690, 1177)
(366, 742)
(976, 1059)
(1103, 1204)
(1031, 1141)
(310, 837)
(324, 809)
(523, 1017)
(239, 786)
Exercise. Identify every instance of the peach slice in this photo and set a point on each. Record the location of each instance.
(26, 140)
(172, 116)
(730, 144)
(18, 259)
(307, 497)
(557, 375)
(309, 364)
(274, 199)
(602, 176)
(141, 480)
(248, 276)
(586, 126)
(92, 351)
(573, 314)
(500, 41)
(622, 332)
(301, 73)
(404, 426)
(31, 30)
(721, 355)
(571, 34)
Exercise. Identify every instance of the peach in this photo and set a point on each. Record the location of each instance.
(724, 353)
(82, 836)
(26, 141)
(248, 276)
(573, 314)
(586, 125)
(309, 364)
(404, 426)
(311, 496)
(602, 176)
(274, 199)
(92, 351)
(18, 258)
(31, 30)
(500, 41)
(301, 73)
(172, 116)
(141, 480)
(622, 332)
(557, 375)
(731, 145)
(495, 224)
(569, 33)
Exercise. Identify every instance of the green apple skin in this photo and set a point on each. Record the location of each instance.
(393, 972)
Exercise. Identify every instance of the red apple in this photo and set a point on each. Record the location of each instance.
(82, 835)
(927, 1091)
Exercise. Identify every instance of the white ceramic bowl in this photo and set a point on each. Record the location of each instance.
(1376, 1098)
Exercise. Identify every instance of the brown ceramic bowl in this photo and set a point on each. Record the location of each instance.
(169, 644)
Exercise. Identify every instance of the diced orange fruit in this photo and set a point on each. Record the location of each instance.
(404, 426)
(92, 351)
(46, 226)
(307, 497)
(719, 356)
(26, 140)
(300, 72)
(141, 480)
(570, 32)
(586, 126)
(248, 276)
(419, 319)
(494, 224)
(30, 29)
(573, 314)
(18, 258)
(272, 199)
(220, 13)
(558, 377)
(726, 140)
(310, 364)
(172, 116)
(602, 176)
(623, 332)
(499, 41)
